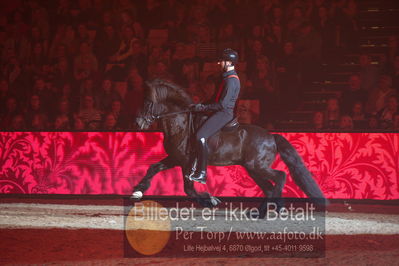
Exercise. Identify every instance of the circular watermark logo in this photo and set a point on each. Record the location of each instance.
(148, 227)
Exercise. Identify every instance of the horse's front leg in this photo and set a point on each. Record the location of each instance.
(204, 199)
(154, 169)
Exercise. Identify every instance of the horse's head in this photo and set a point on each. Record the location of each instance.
(161, 97)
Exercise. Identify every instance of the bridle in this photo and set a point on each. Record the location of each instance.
(149, 116)
(151, 113)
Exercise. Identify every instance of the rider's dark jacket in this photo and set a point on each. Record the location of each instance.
(223, 108)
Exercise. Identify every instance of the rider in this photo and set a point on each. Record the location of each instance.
(223, 112)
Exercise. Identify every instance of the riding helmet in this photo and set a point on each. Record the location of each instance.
(229, 55)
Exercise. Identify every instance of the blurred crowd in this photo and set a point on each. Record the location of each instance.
(360, 109)
(82, 64)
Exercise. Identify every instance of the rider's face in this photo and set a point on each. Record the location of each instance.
(223, 65)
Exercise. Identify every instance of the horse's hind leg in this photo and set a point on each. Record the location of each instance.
(279, 178)
(266, 186)
(145, 183)
(273, 193)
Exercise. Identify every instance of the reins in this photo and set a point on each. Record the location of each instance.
(190, 122)
(170, 114)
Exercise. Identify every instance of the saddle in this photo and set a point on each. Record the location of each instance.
(230, 126)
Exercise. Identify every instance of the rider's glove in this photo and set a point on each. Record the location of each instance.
(197, 107)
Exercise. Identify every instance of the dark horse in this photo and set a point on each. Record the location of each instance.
(249, 146)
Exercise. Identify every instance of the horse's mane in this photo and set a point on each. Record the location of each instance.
(168, 92)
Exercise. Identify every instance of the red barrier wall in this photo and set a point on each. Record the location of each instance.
(346, 165)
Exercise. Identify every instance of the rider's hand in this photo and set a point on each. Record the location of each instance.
(197, 107)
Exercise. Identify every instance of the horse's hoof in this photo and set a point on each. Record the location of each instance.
(282, 211)
(215, 201)
(254, 216)
(137, 195)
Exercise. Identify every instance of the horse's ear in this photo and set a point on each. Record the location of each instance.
(164, 83)
(182, 94)
(149, 83)
(150, 94)
(158, 81)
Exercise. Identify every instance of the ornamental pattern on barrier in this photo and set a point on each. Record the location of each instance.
(346, 165)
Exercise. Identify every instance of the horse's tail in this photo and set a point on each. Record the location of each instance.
(301, 175)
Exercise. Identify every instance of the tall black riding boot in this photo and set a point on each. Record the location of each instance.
(202, 162)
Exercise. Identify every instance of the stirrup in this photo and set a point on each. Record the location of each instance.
(194, 167)
(200, 177)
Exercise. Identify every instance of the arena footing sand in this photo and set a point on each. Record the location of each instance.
(69, 234)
